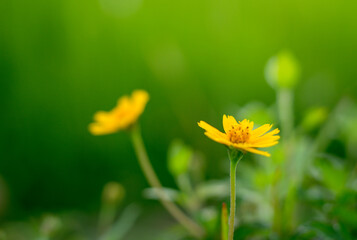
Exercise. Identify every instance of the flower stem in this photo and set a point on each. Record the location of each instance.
(154, 182)
(285, 101)
(235, 156)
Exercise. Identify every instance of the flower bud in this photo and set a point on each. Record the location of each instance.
(282, 70)
(113, 193)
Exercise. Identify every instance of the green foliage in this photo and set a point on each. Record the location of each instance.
(62, 60)
(332, 175)
(314, 118)
(179, 158)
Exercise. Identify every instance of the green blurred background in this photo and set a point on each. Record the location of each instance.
(61, 61)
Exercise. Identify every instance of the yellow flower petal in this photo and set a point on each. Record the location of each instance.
(102, 117)
(270, 136)
(253, 150)
(228, 122)
(265, 144)
(241, 135)
(251, 125)
(218, 139)
(211, 129)
(140, 98)
(123, 102)
(261, 130)
(98, 129)
(123, 115)
(265, 139)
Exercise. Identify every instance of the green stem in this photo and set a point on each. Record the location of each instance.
(283, 217)
(275, 201)
(153, 180)
(285, 101)
(106, 215)
(235, 156)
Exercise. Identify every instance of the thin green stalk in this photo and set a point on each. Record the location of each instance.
(275, 201)
(235, 156)
(106, 215)
(153, 180)
(285, 101)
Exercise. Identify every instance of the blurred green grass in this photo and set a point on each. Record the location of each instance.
(60, 61)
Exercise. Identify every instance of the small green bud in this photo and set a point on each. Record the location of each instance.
(282, 70)
(113, 193)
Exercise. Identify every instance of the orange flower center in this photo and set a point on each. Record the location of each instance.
(122, 114)
(239, 134)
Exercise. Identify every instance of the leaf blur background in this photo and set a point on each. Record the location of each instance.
(60, 61)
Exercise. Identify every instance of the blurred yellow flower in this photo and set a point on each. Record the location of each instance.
(125, 114)
(241, 135)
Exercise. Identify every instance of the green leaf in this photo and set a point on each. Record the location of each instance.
(213, 189)
(332, 175)
(314, 118)
(124, 223)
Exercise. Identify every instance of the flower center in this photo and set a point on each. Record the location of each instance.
(239, 134)
(122, 114)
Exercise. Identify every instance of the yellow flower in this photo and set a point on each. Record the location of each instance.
(126, 113)
(240, 135)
